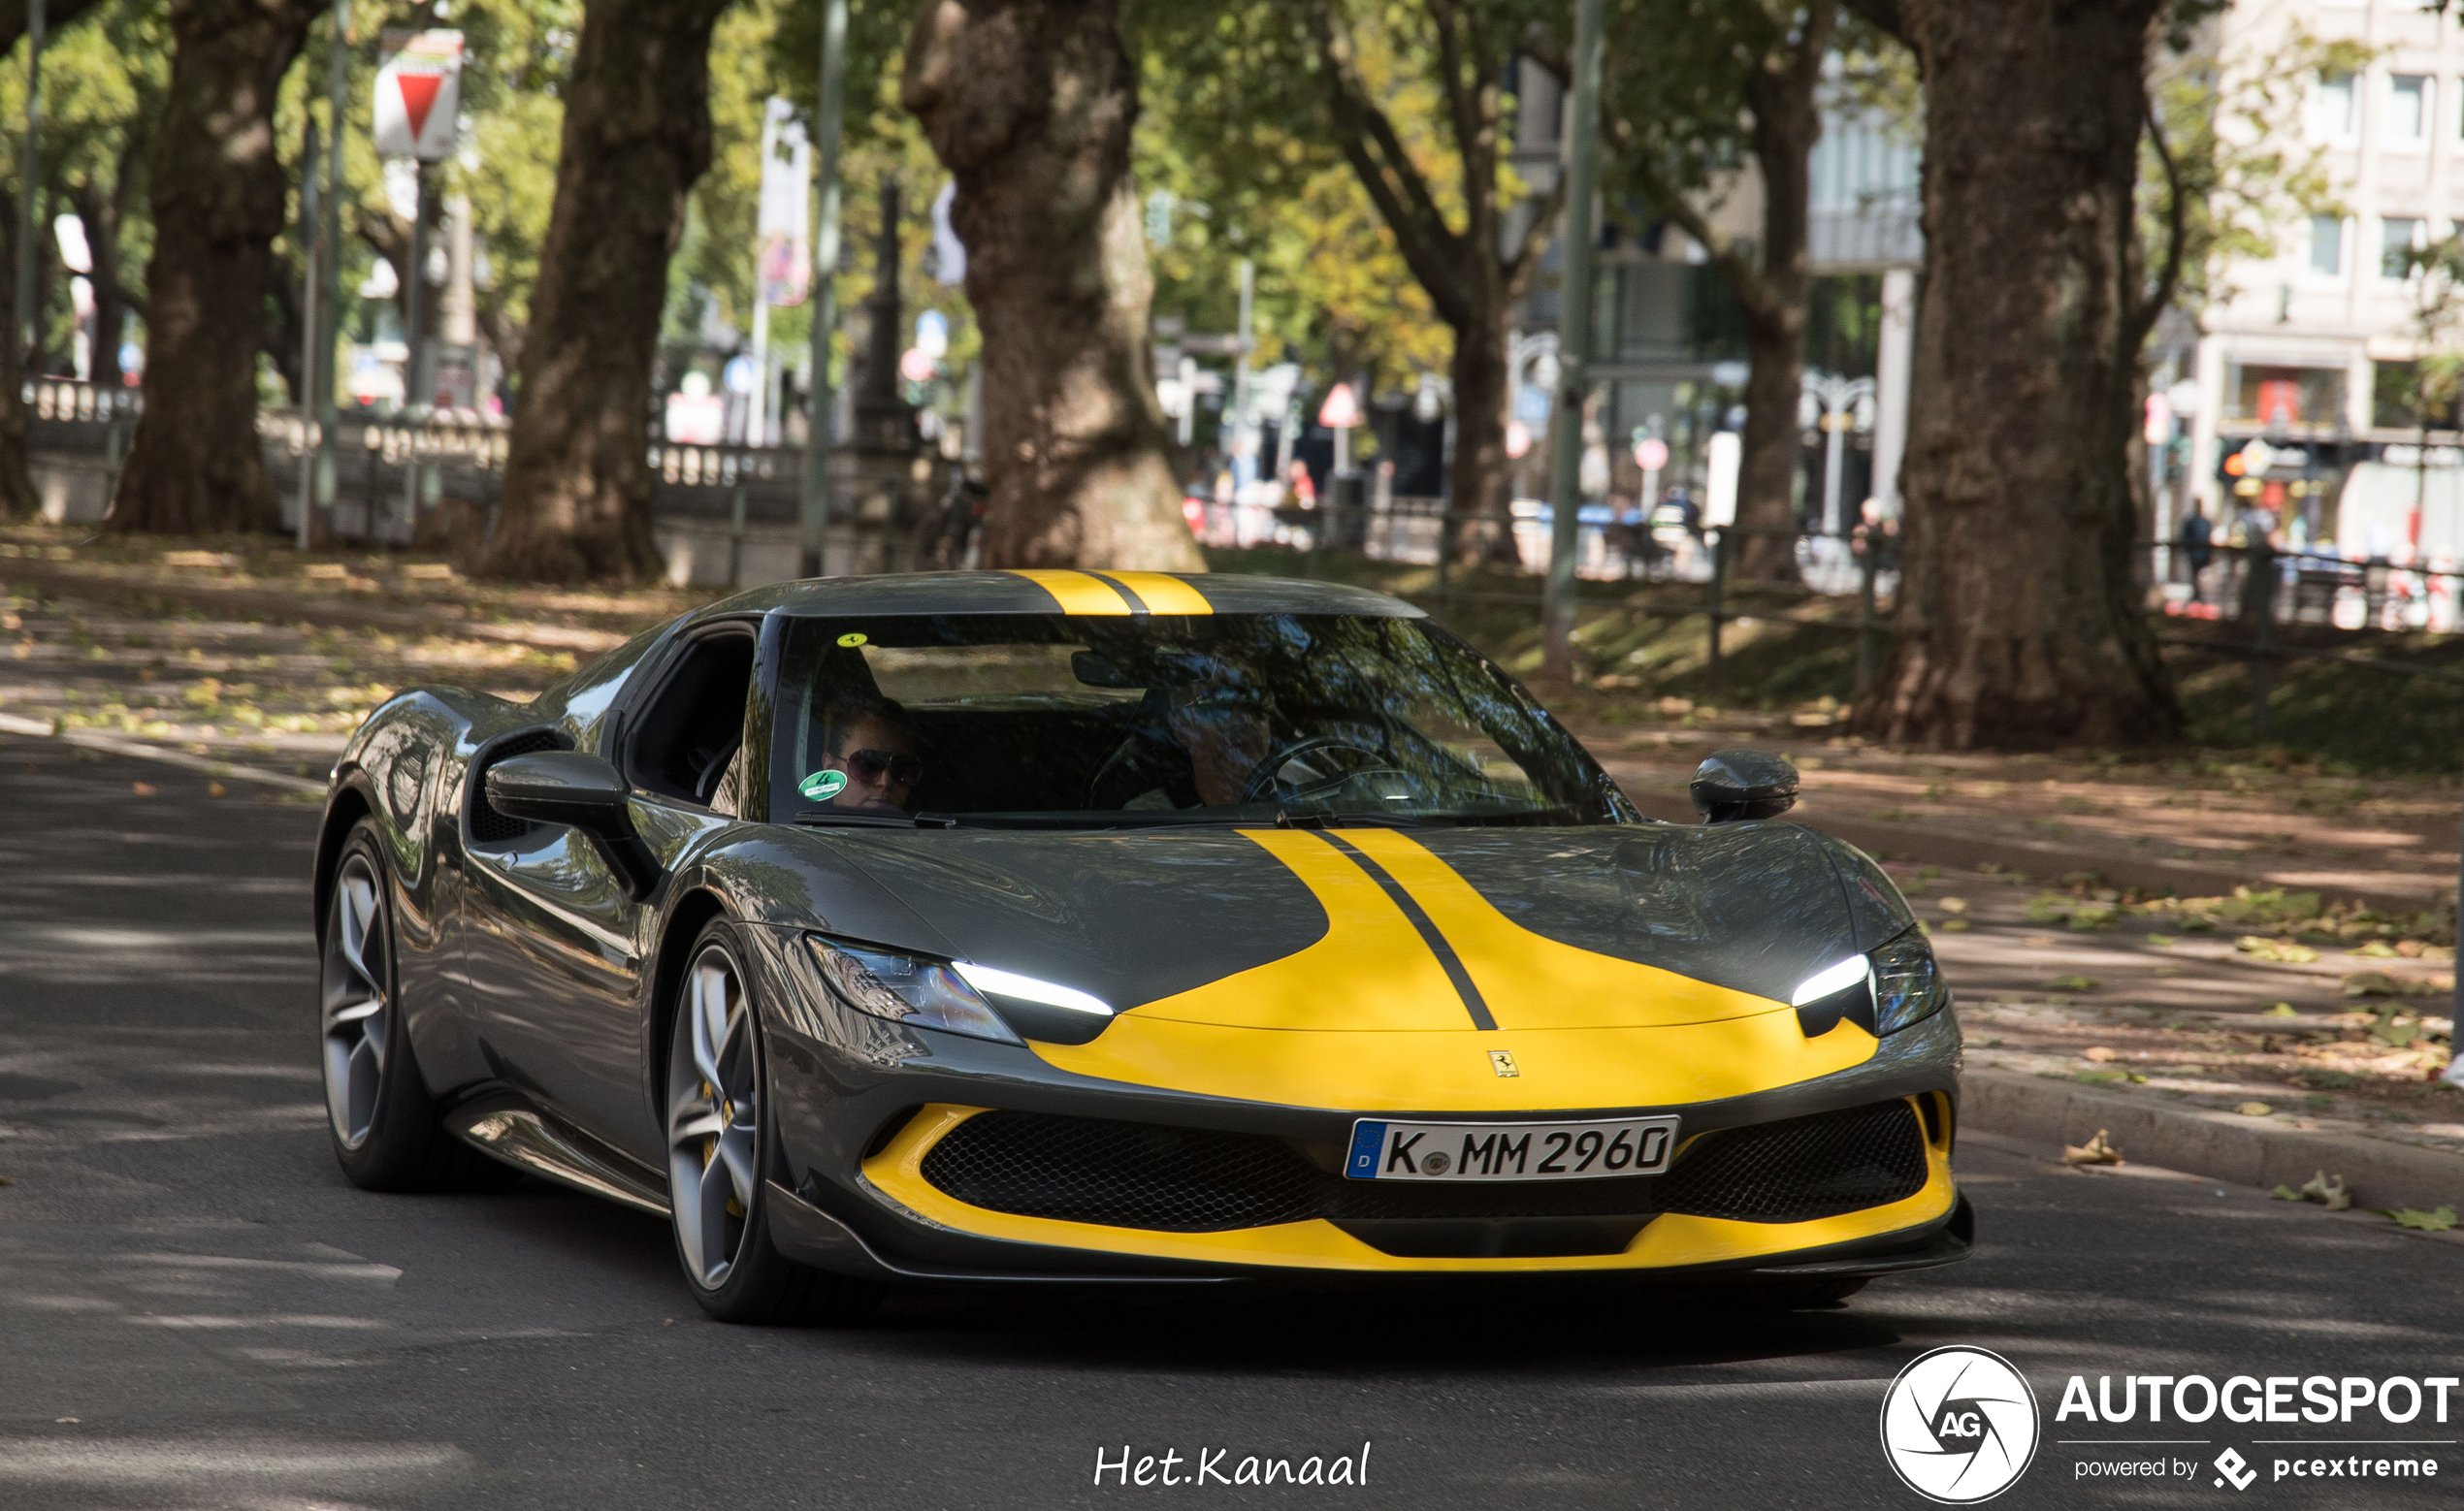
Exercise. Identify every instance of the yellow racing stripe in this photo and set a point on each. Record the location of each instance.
(1077, 593)
(1162, 594)
(1366, 1018)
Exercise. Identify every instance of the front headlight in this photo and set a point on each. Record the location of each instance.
(1907, 985)
(1882, 992)
(907, 990)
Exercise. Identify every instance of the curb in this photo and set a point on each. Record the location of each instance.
(1954, 850)
(2220, 1145)
(280, 607)
(111, 744)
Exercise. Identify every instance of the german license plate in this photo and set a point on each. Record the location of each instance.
(1511, 1151)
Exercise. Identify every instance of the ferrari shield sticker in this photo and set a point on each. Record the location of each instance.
(823, 786)
(853, 639)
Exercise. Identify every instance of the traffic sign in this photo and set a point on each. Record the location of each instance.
(1340, 411)
(1651, 453)
(418, 94)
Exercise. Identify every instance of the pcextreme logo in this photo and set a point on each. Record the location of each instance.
(1960, 1425)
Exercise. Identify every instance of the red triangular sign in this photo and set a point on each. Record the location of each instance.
(419, 96)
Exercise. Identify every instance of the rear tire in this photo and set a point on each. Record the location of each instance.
(722, 1155)
(385, 1126)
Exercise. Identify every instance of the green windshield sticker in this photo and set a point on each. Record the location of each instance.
(823, 786)
(852, 638)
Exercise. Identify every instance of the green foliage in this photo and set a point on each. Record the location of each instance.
(2233, 129)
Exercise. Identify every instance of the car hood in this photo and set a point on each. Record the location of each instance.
(1248, 962)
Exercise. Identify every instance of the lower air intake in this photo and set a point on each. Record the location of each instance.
(1802, 1168)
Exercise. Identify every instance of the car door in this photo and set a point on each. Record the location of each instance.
(555, 943)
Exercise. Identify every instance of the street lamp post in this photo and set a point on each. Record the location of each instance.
(817, 426)
(1835, 403)
(28, 317)
(1565, 484)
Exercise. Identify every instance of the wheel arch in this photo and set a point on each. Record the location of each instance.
(349, 804)
(686, 920)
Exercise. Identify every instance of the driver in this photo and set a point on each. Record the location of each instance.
(1218, 717)
(869, 738)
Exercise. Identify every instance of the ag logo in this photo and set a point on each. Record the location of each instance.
(1960, 1425)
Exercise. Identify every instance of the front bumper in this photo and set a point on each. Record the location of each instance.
(860, 1105)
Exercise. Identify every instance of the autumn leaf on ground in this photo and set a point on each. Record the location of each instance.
(2328, 1191)
(2280, 1009)
(2099, 1150)
(2254, 1110)
(142, 789)
(2435, 1221)
(2073, 984)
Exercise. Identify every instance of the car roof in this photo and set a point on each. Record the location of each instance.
(1058, 592)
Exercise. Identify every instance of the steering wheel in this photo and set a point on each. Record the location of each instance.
(1262, 778)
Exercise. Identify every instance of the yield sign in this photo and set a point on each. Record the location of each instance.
(418, 94)
(1340, 411)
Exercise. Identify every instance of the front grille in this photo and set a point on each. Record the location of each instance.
(487, 825)
(1802, 1168)
(1123, 1175)
(1198, 1181)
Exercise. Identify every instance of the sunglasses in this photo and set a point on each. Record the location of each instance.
(872, 766)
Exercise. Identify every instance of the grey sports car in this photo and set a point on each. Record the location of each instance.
(1117, 926)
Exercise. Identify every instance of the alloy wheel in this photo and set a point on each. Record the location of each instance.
(714, 1078)
(356, 1001)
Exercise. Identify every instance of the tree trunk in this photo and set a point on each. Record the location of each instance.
(2018, 622)
(1477, 486)
(1029, 105)
(636, 134)
(17, 490)
(1786, 125)
(100, 209)
(219, 191)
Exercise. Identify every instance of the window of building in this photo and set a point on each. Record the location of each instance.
(2327, 245)
(2283, 397)
(2410, 97)
(2398, 234)
(2331, 108)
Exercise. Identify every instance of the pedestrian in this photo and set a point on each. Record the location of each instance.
(2197, 541)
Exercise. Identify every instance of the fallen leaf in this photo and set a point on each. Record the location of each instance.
(2435, 1221)
(2162, 941)
(2039, 939)
(2375, 950)
(2280, 1009)
(2099, 1150)
(2254, 1110)
(142, 789)
(216, 789)
(8, 1180)
(2073, 984)
(1953, 905)
(2285, 1194)
(1953, 925)
(67, 1418)
(2099, 1053)
(2328, 1191)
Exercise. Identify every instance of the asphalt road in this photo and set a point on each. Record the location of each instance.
(197, 1310)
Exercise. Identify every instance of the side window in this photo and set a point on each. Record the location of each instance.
(685, 739)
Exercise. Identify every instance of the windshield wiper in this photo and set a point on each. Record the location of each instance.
(859, 819)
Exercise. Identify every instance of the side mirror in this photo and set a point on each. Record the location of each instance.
(580, 791)
(1731, 785)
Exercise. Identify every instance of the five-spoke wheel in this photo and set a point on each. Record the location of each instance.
(714, 1116)
(356, 998)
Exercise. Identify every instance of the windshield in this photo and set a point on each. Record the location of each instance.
(1098, 722)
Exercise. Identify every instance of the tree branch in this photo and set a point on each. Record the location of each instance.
(2144, 318)
(1402, 195)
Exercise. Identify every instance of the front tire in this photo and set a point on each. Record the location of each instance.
(383, 1124)
(720, 1153)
